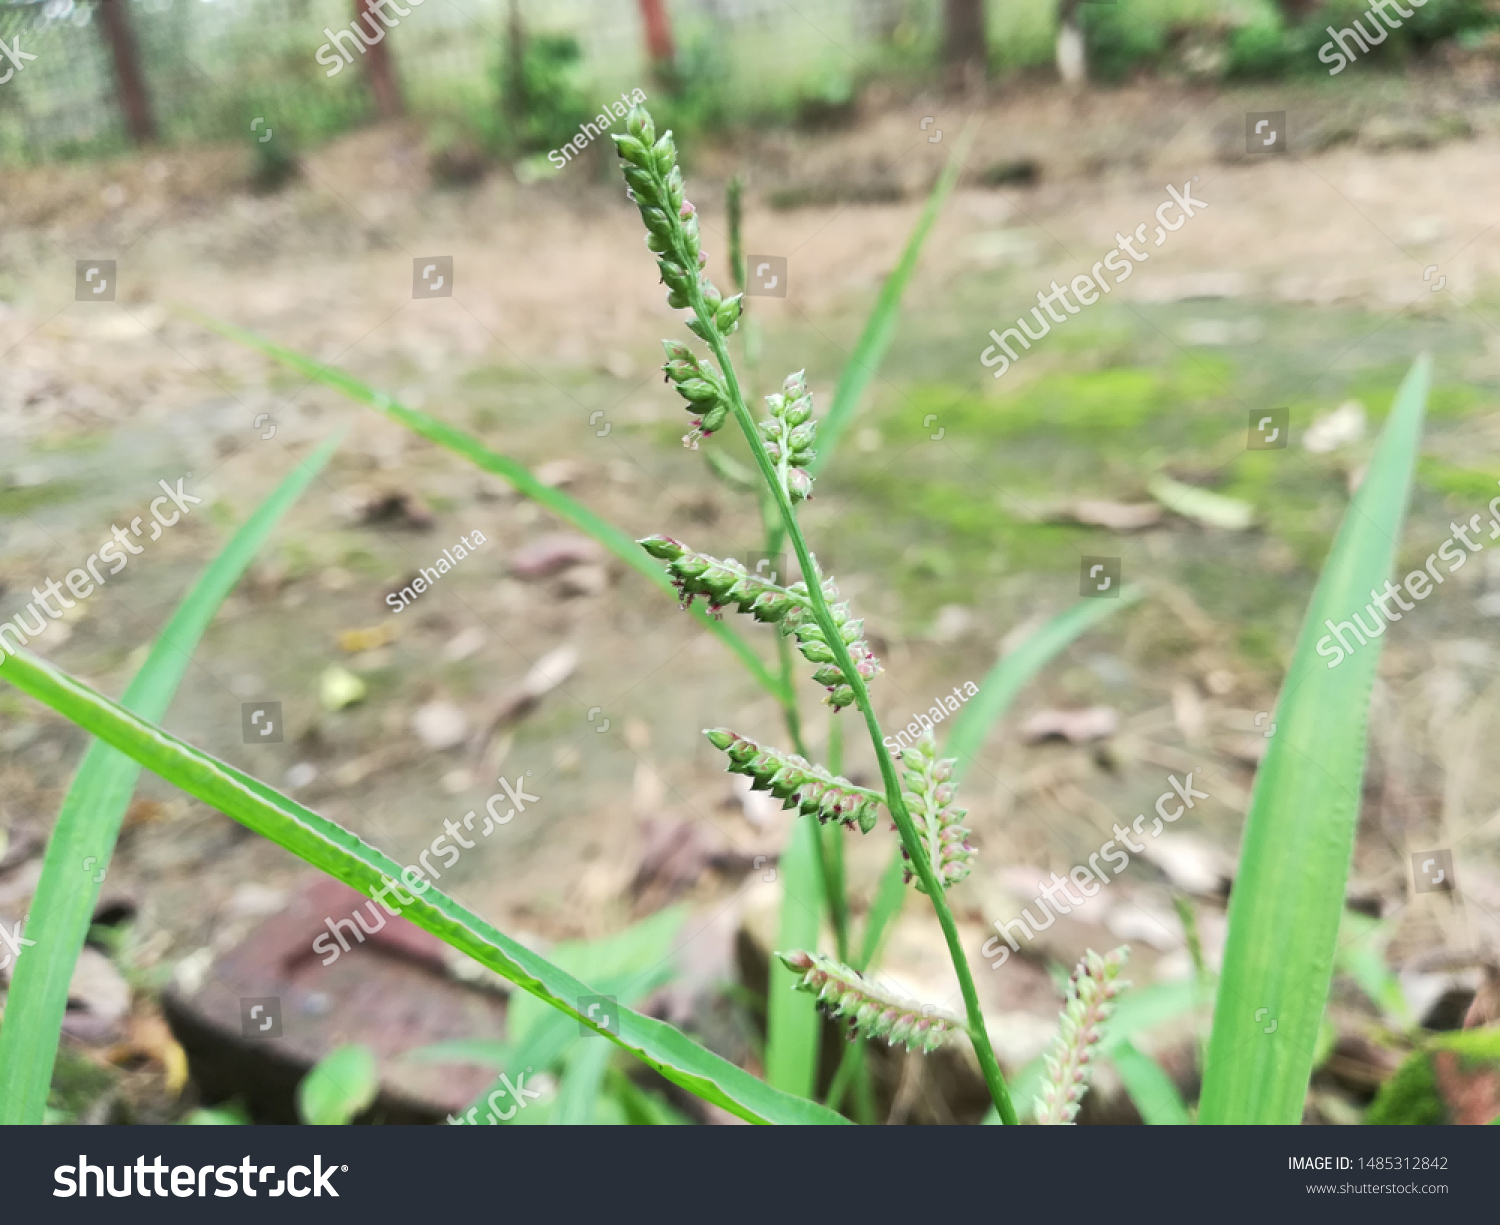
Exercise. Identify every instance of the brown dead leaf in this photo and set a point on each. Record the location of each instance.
(673, 856)
(552, 554)
(98, 999)
(1116, 516)
(559, 472)
(1472, 1094)
(1485, 1010)
(144, 812)
(1188, 711)
(149, 1037)
(589, 580)
(515, 704)
(1074, 726)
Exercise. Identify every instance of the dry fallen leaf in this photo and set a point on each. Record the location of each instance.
(1074, 726)
(98, 999)
(589, 580)
(357, 640)
(1207, 507)
(553, 553)
(515, 704)
(1191, 863)
(1117, 516)
(468, 642)
(1340, 428)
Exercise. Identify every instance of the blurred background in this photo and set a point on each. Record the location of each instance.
(202, 147)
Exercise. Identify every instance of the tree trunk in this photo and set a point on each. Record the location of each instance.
(965, 59)
(660, 49)
(380, 70)
(514, 99)
(114, 20)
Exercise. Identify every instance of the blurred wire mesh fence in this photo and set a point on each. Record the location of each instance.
(88, 77)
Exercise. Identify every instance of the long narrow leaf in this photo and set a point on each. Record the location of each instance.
(521, 477)
(890, 897)
(582, 1084)
(1150, 1088)
(342, 855)
(1012, 671)
(1299, 833)
(792, 1022)
(864, 363)
(88, 825)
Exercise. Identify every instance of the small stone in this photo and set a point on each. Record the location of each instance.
(440, 725)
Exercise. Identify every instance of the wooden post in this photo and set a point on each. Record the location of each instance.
(965, 55)
(660, 49)
(379, 67)
(114, 20)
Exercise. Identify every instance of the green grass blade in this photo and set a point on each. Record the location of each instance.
(470, 448)
(627, 966)
(1011, 672)
(344, 1082)
(345, 857)
(1288, 897)
(1361, 955)
(890, 897)
(1150, 1088)
(864, 364)
(582, 1083)
(793, 1027)
(89, 822)
(642, 1109)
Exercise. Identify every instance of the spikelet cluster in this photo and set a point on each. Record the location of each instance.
(801, 624)
(799, 784)
(655, 184)
(869, 1009)
(728, 583)
(1091, 993)
(788, 436)
(721, 583)
(929, 797)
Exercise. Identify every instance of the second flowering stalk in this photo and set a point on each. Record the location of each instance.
(672, 233)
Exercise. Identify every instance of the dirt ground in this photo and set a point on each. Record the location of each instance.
(1307, 279)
